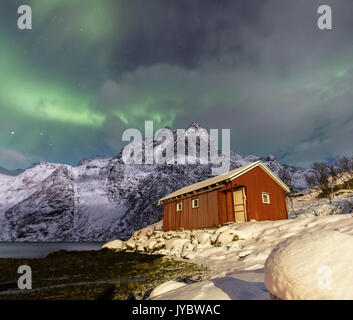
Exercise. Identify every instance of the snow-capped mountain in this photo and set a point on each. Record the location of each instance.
(102, 198)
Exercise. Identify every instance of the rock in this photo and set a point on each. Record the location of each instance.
(181, 235)
(315, 266)
(130, 244)
(188, 235)
(115, 244)
(149, 232)
(188, 246)
(245, 253)
(163, 252)
(175, 244)
(226, 237)
(166, 287)
(157, 234)
(167, 235)
(222, 229)
(159, 245)
(248, 230)
(150, 245)
(142, 239)
(202, 237)
(235, 245)
(145, 232)
(201, 246)
(214, 239)
(140, 248)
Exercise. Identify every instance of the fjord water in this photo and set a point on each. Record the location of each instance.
(39, 250)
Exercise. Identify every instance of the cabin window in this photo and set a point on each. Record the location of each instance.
(195, 203)
(179, 206)
(265, 198)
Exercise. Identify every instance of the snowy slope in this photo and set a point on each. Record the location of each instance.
(101, 198)
(293, 254)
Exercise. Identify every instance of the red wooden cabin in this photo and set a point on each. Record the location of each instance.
(251, 192)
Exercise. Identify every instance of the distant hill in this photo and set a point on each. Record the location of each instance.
(10, 172)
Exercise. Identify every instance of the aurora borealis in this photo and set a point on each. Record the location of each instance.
(90, 69)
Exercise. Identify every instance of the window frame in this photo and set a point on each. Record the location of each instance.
(267, 194)
(181, 206)
(192, 203)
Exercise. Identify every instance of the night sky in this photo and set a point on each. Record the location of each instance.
(90, 69)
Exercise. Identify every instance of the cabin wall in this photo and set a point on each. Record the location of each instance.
(206, 215)
(257, 181)
(226, 206)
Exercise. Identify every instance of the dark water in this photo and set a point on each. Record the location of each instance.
(39, 250)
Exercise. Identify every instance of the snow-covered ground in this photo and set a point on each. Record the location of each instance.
(309, 206)
(235, 253)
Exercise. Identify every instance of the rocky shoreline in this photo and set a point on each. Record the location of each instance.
(184, 244)
(95, 275)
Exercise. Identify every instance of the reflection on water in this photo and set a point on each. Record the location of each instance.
(39, 250)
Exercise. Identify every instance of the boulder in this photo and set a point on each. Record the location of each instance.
(202, 237)
(163, 252)
(179, 235)
(150, 244)
(159, 245)
(188, 246)
(142, 239)
(175, 244)
(130, 244)
(115, 244)
(315, 266)
(214, 239)
(245, 253)
(226, 237)
(222, 229)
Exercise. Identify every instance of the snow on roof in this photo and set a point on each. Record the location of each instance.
(225, 177)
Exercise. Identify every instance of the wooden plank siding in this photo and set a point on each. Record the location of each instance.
(222, 207)
(206, 215)
(257, 181)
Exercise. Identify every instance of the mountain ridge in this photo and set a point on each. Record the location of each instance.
(102, 198)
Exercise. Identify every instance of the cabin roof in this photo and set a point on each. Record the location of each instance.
(225, 177)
